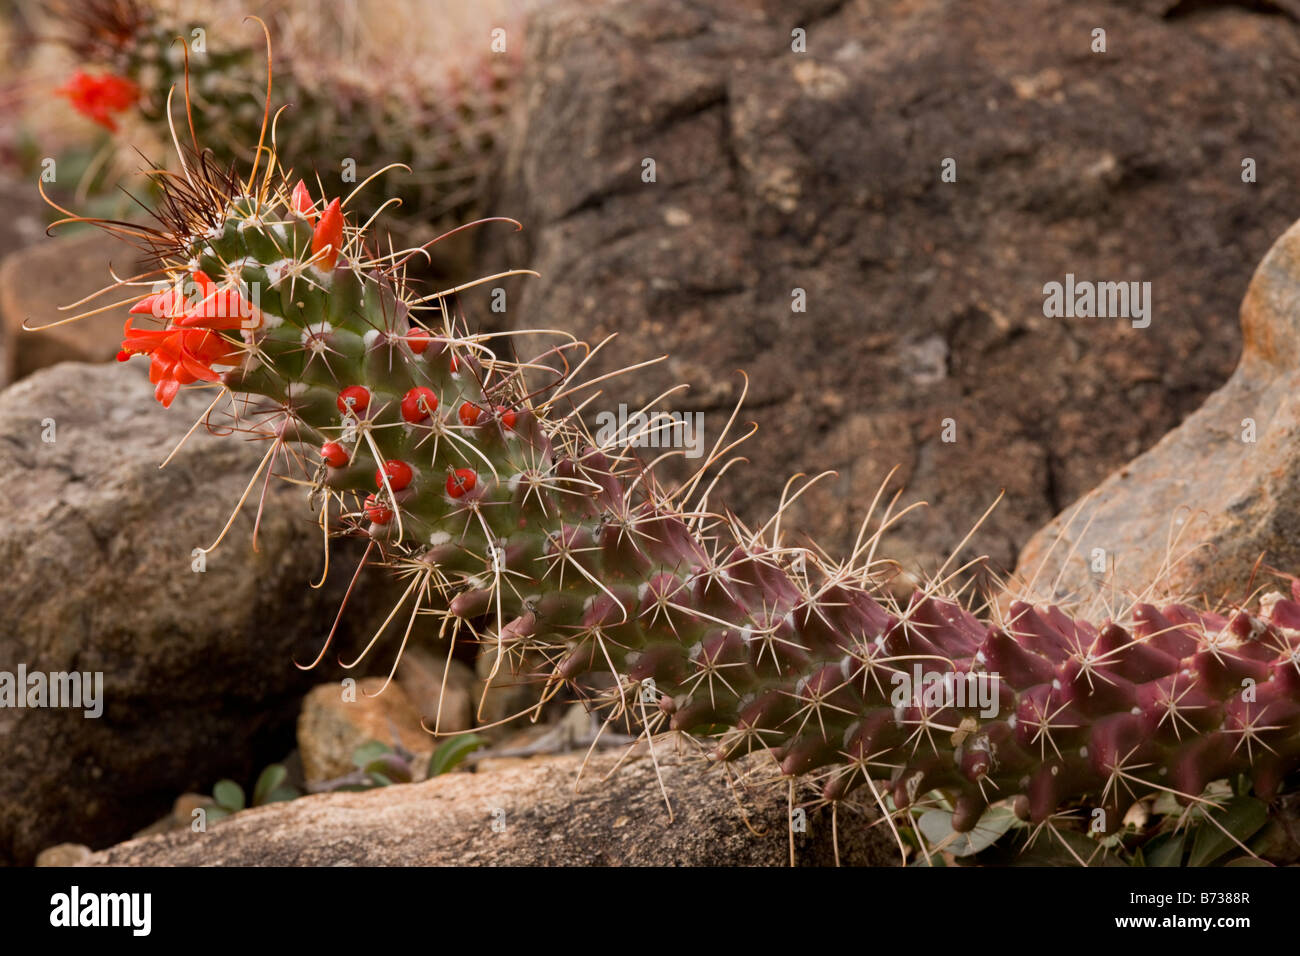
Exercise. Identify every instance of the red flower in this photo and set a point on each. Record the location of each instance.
(184, 351)
(328, 236)
(99, 97)
(222, 309)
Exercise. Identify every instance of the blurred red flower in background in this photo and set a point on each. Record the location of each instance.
(99, 97)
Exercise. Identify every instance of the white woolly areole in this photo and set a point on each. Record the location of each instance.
(277, 270)
(315, 330)
(368, 340)
(439, 538)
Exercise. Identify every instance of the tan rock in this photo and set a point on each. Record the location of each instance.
(449, 704)
(335, 721)
(36, 280)
(541, 819)
(64, 854)
(1194, 514)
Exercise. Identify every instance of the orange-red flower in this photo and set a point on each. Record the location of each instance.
(185, 350)
(99, 97)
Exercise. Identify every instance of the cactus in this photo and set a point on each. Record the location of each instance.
(445, 130)
(475, 481)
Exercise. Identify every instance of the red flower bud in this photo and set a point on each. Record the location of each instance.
(461, 481)
(469, 413)
(379, 514)
(399, 474)
(356, 398)
(335, 455)
(418, 404)
(418, 340)
(301, 202)
(328, 235)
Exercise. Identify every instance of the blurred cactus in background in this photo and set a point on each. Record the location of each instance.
(441, 119)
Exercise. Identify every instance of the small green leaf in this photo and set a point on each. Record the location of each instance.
(1065, 848)
(1166, 850)
(229, 795)
(1248, 861)
(1242, 817)
(370, 750)
(380, 780)
(937, 827)
(282, 794)
(451, 753)
(390, 766)
(215, 813)
(270, 779)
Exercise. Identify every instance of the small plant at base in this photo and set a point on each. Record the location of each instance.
(271, 787)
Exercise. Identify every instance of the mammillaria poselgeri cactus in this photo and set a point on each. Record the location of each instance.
(475, 481)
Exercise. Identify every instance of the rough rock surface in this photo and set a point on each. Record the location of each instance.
(97, 545)
(821, 170)
(1195, 513)
(37, 280)
(449, 821)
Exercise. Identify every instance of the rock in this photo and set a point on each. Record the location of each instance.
(331, 726)
(25, 216)
(449, 704)
(449, 821)
(37, 280)
(64, 854)
(181, 815)
(820, 171)
(97, 543)
(1195, 513)
(183, 809)
(502, 700)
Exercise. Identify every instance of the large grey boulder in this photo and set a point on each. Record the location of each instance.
(777, 170)
(536, 813)
(97, 545)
